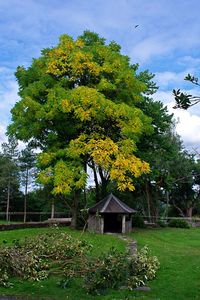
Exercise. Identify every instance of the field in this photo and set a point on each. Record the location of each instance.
(178, 278)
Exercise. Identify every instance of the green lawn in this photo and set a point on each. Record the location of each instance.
(178, 251)
(178, 278)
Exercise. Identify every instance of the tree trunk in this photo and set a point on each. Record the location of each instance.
(52, 209)
(76, 198)
(25, 195)
(167, 198)
(104, 183)
(189, 212)
(148, 200)
(84, 191)
(8, 202)
(96, 183)
(179, 209)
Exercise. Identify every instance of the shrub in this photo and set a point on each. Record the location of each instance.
(115, 269)
(108, 271)
(138, 221)
(142, 268)
(179, 223)
(161, 223)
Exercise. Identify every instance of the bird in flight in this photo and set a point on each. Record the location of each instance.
(136, 26)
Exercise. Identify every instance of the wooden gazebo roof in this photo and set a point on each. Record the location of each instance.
(111, 204)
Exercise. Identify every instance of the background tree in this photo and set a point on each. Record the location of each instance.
(184, 194)
(156, 148)
(9, 175)
(27, 162)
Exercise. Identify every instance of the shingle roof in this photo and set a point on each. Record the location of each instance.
(111, 204)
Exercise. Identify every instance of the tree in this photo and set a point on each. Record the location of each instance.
(184, 191)
(157, 149)
(9, 168)
(78, 105)
(27, 163)
(10, 195)
(184, 100)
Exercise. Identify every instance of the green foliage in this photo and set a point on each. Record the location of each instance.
(64, 283)
(35, 258)
(57, 253)
(179, 223)
(78, 105)
(138, 221)
(109, 271)
(184, 100)
(142, 268)
(114, 270)
(10, 194)
(161, 223)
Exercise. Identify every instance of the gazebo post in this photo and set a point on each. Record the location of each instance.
(102, 224)
(124, 224)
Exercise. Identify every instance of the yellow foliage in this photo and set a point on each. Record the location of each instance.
(46, 176)
(66, 106)
(45, 158)
(88, 88)
(79, 43)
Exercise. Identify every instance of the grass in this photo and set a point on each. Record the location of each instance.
(178, 278)
(178, 251)
(48, 289)
(7, 222)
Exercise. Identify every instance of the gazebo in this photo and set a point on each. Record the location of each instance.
(110, 215)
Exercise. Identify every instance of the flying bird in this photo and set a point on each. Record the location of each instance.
(136, 25)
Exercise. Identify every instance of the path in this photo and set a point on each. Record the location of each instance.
(131, 244)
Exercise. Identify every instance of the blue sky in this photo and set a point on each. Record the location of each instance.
(167, 42)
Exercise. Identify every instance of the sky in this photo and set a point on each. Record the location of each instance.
(166, 42)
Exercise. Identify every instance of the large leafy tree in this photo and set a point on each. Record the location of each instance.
(78, 105)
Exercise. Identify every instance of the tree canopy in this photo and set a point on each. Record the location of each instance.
(78, 104)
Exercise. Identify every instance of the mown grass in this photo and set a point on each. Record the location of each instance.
(178, 251)
(178, 278)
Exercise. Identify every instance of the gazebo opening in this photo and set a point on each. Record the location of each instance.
(112, 223)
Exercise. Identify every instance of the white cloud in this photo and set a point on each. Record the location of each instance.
(3, 137)
(188, 126)
(8, 97)
(189, 60)
(164, 79)
(187, 121)
(148, 47)
(163, 96)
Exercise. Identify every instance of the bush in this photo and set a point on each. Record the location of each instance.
(115, 269)
(108, 271)
(179, 223)
(138, 221)
(161, 223)
(142, 268)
